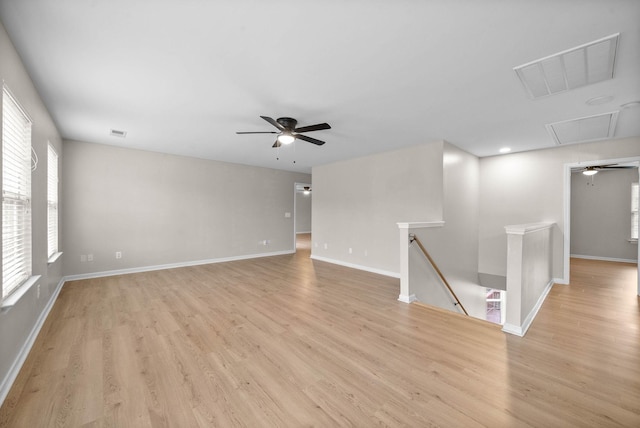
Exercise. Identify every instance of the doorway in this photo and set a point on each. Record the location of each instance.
(302, 215)
(568, 168)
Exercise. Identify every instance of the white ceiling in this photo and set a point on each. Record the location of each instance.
(181, 76)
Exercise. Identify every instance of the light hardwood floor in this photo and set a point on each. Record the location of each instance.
(286, 341)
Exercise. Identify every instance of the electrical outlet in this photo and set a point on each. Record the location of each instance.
(118, 254)
(350, 250)
(83, 258)
(326, 246)
(89, 257)
(287, 215)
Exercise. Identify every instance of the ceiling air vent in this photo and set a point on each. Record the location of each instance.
(580, 66)
(584, 129)
(116, 133)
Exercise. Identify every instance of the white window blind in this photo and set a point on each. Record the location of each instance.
(52, 201)
(634, 211)
(16, 194)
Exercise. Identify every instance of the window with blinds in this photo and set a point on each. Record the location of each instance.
(634, 211)
(16, 194)
(52, 201)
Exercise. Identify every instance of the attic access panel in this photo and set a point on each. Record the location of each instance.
(584, 129)
(580, 66)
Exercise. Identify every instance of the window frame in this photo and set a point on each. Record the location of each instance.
(17, 263)
(635, 190)
(53, 197)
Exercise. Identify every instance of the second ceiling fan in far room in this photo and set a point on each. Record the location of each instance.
(594, 169)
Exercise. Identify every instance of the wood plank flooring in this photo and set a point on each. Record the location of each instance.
(290, 342)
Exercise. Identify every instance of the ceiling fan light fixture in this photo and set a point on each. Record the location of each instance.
(286, 138)
(590, 171)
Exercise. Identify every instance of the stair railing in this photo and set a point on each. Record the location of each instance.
(414, 238)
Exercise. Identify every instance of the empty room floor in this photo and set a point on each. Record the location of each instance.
(287, 341)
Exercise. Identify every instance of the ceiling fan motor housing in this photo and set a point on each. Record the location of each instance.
(288, 122)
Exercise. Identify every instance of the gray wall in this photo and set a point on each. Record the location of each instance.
(357, 203)
(158, 209)
(18, 323)
(303, 212)
(527, 187)
(454, 247)
(601, 214)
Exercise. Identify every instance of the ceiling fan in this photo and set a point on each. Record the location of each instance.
(288, 133)
(592, 170)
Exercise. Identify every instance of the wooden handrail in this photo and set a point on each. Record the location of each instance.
(412, 238)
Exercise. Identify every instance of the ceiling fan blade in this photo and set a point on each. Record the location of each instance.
(318, 127)
(258, 132)
(273, 122)
(276, 144)
(309, 139)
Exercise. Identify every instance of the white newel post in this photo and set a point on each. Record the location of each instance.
(529, 276)
(405, 295)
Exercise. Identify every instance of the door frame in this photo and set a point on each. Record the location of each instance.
(295, 210)
(567, 211)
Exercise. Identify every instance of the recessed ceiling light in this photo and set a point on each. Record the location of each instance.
(632, 104)
(603, 99)
(116, 133)
(505, 150)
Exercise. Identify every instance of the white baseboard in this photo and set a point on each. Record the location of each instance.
(562, 281)
(172, 265)
(355, 266)
(11, 376)
(522, 329)
(407, 299)
(513, 329)
(604, 259)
